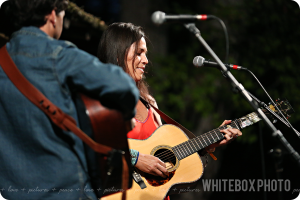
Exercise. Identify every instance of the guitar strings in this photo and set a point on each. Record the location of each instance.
(193, 141)
(169, 155)
(183, 148)
(200, 139)
(185, 145)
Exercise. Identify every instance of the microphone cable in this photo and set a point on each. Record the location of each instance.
(226, 36)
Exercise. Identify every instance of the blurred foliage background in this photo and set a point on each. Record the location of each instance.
(264, 36)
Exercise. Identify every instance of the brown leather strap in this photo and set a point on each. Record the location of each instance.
(169, 120)
(58, 117)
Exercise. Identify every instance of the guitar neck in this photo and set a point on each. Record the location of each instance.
(198, 143)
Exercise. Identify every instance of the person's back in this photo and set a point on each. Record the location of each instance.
(37, 159)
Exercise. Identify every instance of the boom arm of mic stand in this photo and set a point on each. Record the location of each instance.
(192, 28)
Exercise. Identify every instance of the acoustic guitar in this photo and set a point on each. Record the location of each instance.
(108, 127)
(172, 146)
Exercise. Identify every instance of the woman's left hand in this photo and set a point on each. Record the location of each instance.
(229, 134)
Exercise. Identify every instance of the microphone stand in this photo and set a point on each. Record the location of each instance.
(275, 132)
(276, 153)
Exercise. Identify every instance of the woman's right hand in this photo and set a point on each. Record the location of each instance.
(151, 165)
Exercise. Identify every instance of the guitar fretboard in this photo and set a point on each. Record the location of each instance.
(196, 144)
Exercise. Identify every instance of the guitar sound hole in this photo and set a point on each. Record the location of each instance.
(168, 157)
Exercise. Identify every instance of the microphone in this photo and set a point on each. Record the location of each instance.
(201, 62)
(159, 18)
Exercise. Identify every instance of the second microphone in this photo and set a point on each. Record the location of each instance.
(199, 61)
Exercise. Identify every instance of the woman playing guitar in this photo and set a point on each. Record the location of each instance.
(125, 45)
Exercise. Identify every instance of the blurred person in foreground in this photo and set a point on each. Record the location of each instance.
(38, 160)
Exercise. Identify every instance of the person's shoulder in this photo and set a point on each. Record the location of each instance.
(152, 100)
(150, 97)
(32, 33)
(156, 115)
(64, 47)
(65, 43)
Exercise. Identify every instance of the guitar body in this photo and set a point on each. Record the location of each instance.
(107, 127)
(183, 174)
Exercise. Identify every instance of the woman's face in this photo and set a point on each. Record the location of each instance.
(136, 69)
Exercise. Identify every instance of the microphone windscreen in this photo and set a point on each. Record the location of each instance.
(198, 61)
(158, 17)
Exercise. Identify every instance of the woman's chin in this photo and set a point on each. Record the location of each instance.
(138, 78)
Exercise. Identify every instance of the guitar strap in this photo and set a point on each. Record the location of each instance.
(58, 117)
(168, 119)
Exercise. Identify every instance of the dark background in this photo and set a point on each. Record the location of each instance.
(264, 37)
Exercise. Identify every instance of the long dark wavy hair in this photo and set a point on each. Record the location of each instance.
(114, 47)
(15, 14)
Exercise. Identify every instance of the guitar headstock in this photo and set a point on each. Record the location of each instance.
(284, 106)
